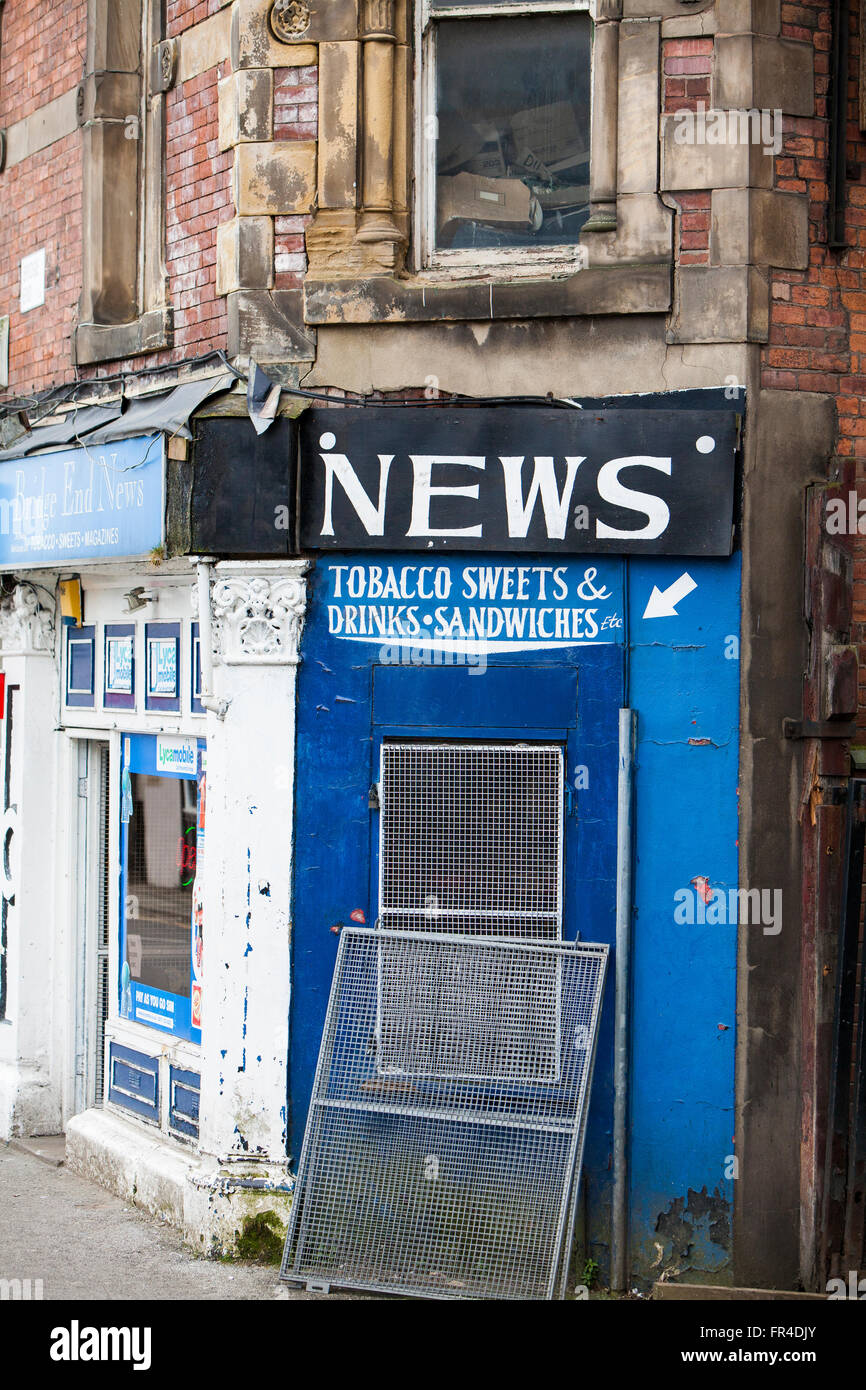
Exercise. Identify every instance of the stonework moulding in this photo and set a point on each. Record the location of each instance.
(289, 20)
(379, 39)
(379, 20)
(26, 628)
(164, 73)
(258, 613)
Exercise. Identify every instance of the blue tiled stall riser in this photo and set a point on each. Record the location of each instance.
(133, 1082)
(183, 1104)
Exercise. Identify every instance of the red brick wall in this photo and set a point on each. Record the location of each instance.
(686, 68)
(809, 312)
(42, 51)
(198, 179)
(296, 98)
(41, 204)
(40, 198)
(182, 14)
(818, 316)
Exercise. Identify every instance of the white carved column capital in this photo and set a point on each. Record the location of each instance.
(258, 612)
(26, 627)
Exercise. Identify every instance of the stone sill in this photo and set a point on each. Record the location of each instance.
(623, 289)
(96, 342)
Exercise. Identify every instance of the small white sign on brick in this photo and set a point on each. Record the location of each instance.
(33, 280)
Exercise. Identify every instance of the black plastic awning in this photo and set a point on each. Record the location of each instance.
(167, 413)
(64, 429)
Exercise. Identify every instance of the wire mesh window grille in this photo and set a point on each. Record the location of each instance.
(471, 838)
(455, 1177)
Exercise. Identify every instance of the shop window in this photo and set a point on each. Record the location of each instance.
(162, 816)
(505, 130)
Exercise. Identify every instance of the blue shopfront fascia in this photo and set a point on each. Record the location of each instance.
(162, 1011)
(106, 502)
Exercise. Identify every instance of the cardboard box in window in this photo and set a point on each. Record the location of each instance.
(547, 138)
(457, 141)
(505, 203)
(490, 162)
(573, 195)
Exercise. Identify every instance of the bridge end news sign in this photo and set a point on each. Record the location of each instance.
(624, 482)
(104, 502)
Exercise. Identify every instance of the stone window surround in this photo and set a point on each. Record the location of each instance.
(628, 240)
(425, 256)
(124, 308)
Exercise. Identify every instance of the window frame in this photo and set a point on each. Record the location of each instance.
(187, 1033)
(446, 264)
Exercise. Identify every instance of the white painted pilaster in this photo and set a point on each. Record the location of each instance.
(258, 610)
(30, 1089)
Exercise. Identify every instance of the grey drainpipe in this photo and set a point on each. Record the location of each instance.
(219, 707)
(624, 906)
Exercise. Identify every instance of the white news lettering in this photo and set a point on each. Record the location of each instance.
(556, 507)
(372, 517)
(520, 506)
(612, 490)
(423, 490)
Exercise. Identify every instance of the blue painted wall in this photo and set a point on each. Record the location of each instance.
(675, 673)
(684, 683)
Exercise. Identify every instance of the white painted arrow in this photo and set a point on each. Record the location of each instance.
(663, 602)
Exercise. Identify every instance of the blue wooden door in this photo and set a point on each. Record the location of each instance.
(349, 703)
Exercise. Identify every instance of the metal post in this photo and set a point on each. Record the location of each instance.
(837, 110)
(624, 835)
(219, 707)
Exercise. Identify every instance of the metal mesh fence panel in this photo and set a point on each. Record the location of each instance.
(487, 1016)
(471, 838)
(445, 1132)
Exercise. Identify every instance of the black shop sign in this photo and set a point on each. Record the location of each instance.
(570, 481)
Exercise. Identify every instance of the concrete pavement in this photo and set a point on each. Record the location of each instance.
(85, 1243)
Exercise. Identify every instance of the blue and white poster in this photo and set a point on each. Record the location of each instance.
(162, 666)
(118, 665)
(98, 503)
